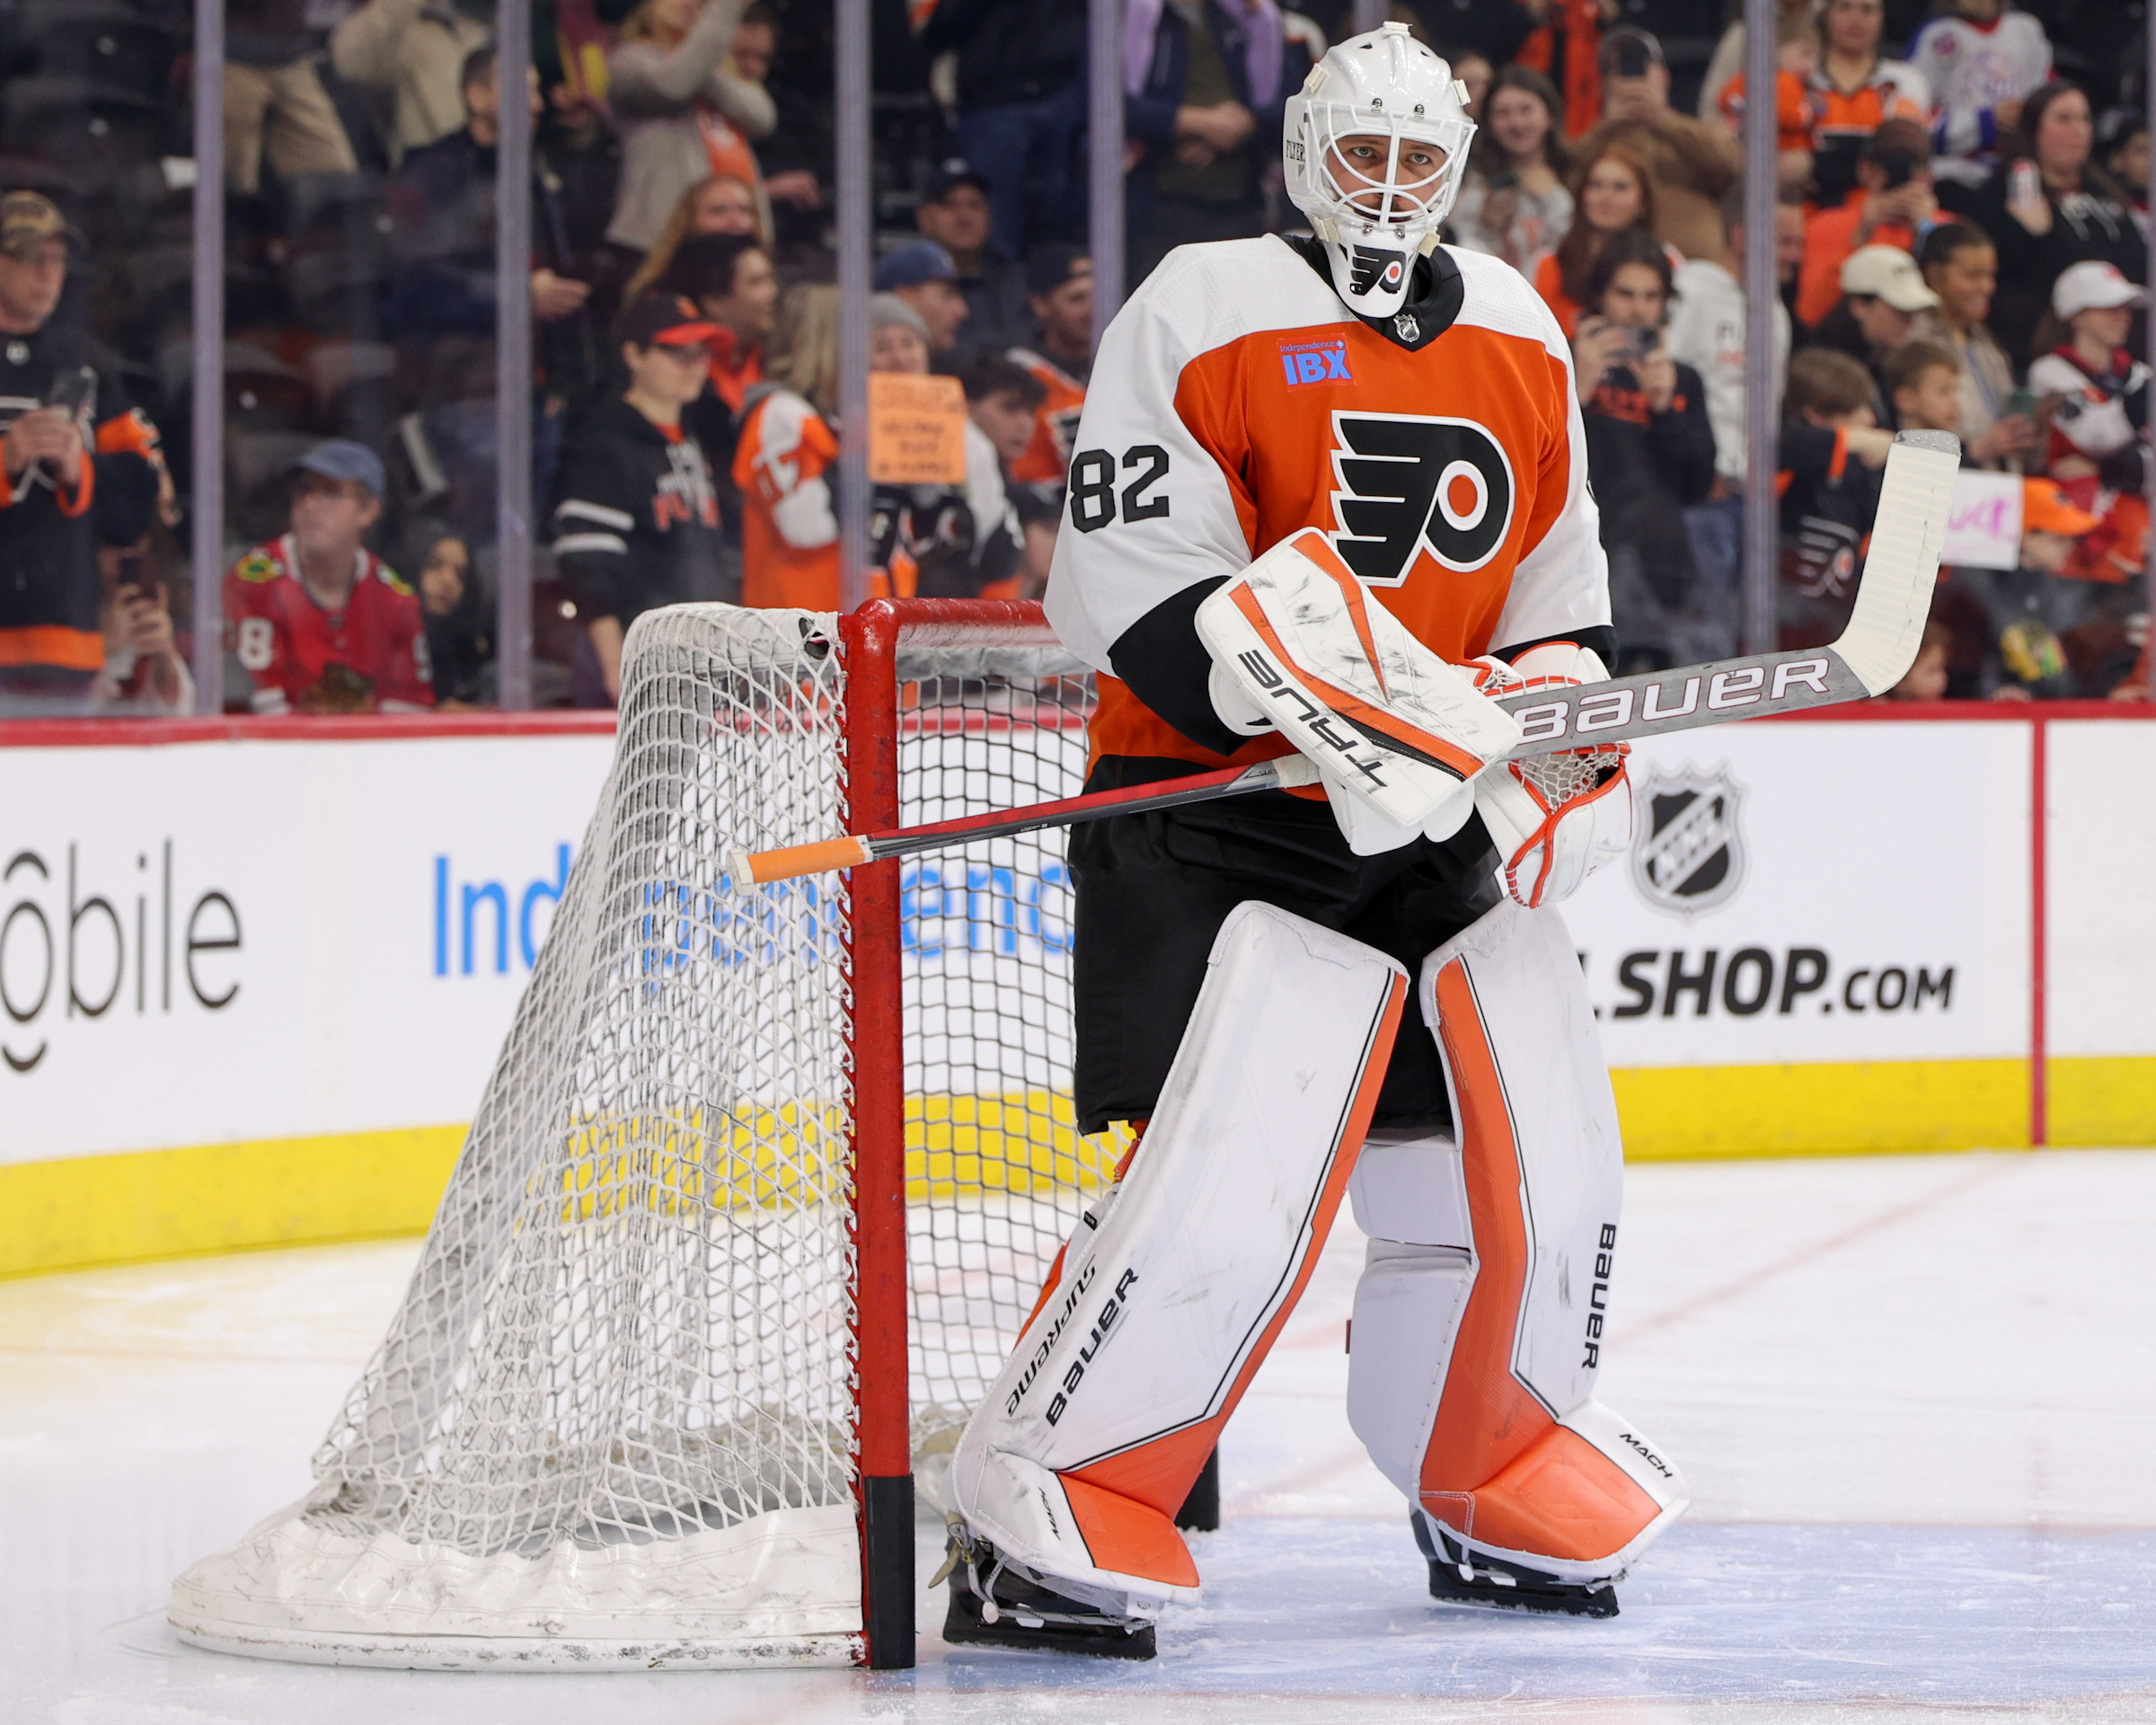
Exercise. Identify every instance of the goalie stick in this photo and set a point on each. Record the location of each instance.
(1873, 653)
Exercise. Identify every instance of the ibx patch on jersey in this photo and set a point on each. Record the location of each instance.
(1315, 362)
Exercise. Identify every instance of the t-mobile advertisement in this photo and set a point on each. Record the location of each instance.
(219, 942)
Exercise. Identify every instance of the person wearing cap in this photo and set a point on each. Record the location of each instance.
(954, 212)
(2094, 401)
(1882, 292)
(317, 620)
(1895, 173)
(939, 540)
(1060, 359)
(1694, 162)
(638, 523)
(79, 466)
(1020, 67)
(2099, 393)
(921, 274)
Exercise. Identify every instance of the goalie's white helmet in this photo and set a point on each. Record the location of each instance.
(1374, 218)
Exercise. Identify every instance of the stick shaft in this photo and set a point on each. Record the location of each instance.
(1893, 596)
(827, 855)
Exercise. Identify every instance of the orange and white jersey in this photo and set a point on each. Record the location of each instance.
(1815, 112)
(1237, 400)
(1046, 459)
(788, 530)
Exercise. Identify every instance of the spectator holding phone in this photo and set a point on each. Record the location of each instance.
(316, 619)
(1650, 453)
(2049, 206)
(1513, 204)
(143, 670)
(78, 467)
(1961, 268)
(1893, 171)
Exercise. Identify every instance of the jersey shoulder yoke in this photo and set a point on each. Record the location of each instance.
(1204, 296)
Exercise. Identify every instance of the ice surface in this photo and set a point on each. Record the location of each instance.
(1916, 1400)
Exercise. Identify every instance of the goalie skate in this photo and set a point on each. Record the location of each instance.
(1461, 1577)
(995, 1603)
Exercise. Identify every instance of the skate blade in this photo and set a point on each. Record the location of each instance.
(1448, 1588)
(1109, 1641)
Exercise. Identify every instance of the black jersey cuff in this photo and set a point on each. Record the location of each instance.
(1168, 667)
(1601, 640)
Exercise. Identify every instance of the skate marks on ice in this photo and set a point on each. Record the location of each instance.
(1921, 1444)
(1812, 1617)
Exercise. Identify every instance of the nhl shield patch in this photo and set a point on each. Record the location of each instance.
(1688, 855)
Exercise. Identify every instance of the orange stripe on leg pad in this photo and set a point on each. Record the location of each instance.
(1560, 1498)
(1129, 1538)
(1486, 1418)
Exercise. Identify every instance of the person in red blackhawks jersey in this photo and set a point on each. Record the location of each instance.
(318, 621)
(1328, 497)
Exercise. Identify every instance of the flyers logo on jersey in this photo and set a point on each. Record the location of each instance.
(1411, 483)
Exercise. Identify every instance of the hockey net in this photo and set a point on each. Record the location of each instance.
(759, 1193)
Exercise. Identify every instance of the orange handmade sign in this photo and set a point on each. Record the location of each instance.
(917, 429)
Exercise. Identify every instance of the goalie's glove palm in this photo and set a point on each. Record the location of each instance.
(1554, 819)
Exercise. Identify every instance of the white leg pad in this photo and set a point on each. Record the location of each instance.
(1475, 1352)
(1169, 1295)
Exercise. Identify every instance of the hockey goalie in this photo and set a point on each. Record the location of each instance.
(1330, 496)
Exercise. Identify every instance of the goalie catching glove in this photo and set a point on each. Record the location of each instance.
(1397, 733)
(1554, 819)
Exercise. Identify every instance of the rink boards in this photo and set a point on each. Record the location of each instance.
(253, 976)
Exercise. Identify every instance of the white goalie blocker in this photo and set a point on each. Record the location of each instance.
(1478, 1322)
(1396, 733)
(1170, 1293)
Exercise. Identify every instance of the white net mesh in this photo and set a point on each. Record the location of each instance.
(628, 1334)
(1572, 773)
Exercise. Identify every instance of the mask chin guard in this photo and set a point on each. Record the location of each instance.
(1374, 280)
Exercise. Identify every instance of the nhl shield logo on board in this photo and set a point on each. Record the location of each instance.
(1688, 847)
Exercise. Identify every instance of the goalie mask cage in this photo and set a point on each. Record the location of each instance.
(649, 1400)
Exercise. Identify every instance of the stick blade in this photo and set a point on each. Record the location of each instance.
(1894, 597)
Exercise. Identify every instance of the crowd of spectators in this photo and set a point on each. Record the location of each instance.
(1962, 230)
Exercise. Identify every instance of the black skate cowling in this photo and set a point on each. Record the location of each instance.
(1507, 1587)
(1028, 1617)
